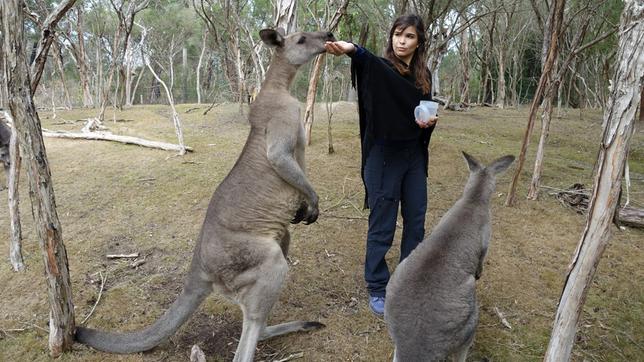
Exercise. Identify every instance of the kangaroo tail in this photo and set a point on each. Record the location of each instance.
(194, 292)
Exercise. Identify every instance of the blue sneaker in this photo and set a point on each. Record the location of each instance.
(377, 305)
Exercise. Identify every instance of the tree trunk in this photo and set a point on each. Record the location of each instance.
(61, 69)
(46, 38)
(105, 90)
(500, 93)
(310, 97)
(203, 51)
(27, 125)
(313, 82)
(184, 75)
(175, 116)
(83, 73)
(286, 15)
(533, 192)
(465, 67)
(15, 247)
(618, 129)
(541, 88)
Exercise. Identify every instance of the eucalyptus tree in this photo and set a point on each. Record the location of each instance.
(20, 89)
(125, 11)
(618, 125)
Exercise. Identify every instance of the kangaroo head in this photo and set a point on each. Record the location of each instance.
(483, 179)
(297, 48)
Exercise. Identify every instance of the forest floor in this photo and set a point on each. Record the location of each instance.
(114, 198)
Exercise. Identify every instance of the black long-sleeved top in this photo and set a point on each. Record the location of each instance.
(386, 102)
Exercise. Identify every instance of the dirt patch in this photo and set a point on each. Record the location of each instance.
(114, 198)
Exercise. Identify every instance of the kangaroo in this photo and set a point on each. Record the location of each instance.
(431, 309)
(242, 247)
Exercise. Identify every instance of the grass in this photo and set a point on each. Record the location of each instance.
(114, 198)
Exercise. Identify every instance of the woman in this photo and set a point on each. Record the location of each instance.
(394, 144)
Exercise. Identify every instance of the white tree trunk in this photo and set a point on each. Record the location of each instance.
(15, 246)
(500, 100)
(619, 120)
(286, 15)
(175, 116)
(203, 51)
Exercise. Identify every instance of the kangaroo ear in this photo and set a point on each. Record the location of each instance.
(272, 38)
(472, 163)
(501, 164)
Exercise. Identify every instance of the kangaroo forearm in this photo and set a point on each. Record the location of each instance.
(289, 170)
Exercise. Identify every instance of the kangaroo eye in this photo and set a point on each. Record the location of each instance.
(301, 40)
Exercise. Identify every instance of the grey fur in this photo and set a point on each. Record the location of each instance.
(431, 309)
(242, 247)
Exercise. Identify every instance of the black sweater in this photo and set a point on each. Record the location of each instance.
(386, 102)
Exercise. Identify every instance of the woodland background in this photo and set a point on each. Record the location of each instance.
(125, 61)
(481, 51)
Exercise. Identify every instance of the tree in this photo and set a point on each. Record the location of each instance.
(27, 126)
(125, 10)
(619, 119)
(553, 87)
(553, 34)
(330, 25)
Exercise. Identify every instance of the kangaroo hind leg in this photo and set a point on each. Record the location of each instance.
(260, 288)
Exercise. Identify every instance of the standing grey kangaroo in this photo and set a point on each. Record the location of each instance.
(242, 246)
(431, 309)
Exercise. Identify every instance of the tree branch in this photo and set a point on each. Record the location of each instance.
(47, 37)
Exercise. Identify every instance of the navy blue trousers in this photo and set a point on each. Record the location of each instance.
(394, 175)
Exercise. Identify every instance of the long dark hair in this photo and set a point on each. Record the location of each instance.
(417, 65)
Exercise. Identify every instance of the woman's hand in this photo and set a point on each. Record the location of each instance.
(431, 122)
(339, 47)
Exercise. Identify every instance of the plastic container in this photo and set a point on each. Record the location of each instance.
(425, 110)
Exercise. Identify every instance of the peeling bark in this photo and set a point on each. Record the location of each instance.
(619, 120)
(27, 125)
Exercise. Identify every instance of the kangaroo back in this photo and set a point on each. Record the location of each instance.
(437, 281)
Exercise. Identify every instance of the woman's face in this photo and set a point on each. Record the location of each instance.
(405, 42)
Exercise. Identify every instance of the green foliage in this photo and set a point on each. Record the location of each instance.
(174, 25)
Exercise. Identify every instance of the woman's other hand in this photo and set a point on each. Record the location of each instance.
(431, 122)
(339, 47)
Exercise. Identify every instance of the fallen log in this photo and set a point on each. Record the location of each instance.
(578, 198)
(107, 136)
(631, 216)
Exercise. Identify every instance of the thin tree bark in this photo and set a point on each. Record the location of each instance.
(619, 119)
(15, 243)
(465, 67)
(286, 15)
(175, 115)
(203, 51)
(541, 88)
(315, 75)
(27, 125)
(47, 31)
(81, 61)
(61, 69)
(553, 88)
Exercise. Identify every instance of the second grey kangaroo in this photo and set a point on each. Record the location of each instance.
(242, 247)
(431, 309)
